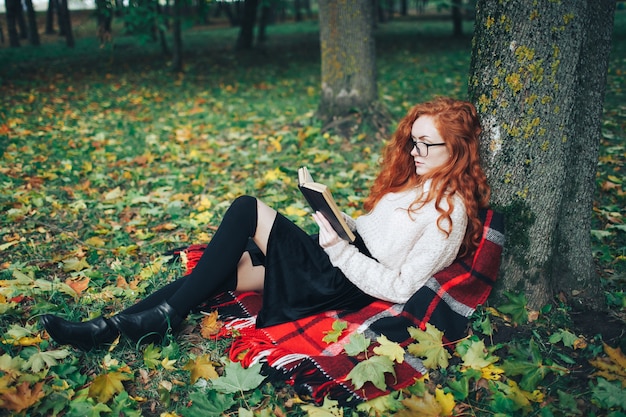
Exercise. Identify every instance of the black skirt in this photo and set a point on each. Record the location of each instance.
(300, 280)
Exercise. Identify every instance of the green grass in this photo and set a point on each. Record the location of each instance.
(109, 159)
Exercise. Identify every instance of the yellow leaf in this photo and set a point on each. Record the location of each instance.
(429, 346)
(201, 367)
(446, 401)
(74, 265)
(210, 325)
(168, 364)
(390, 349)
(114, 194)
(106, 385)
(426, 406)
(296, 211)
(616, 355)
(491, 372)
(96, 241)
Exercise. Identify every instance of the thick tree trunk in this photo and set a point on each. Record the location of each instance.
(12, 7)
(245, 39)
(67, 23)
(52, 8)
(538, 76)
(348, 57)
(33, 31)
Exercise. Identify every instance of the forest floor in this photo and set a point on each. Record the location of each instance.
(109, 159)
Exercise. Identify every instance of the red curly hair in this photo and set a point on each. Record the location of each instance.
(458, 124)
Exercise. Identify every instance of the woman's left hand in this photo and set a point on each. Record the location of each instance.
(327, 236)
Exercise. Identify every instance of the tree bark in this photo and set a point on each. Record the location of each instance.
(245, 39)
(33, 31)
(348, 58)
(177, 39)
(538, 76)
(11, 15)
(457, 18)
(52, 8)
(67, 23)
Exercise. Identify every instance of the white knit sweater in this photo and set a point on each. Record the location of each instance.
(408, 247)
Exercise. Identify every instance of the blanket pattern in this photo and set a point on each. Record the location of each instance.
(296, 353)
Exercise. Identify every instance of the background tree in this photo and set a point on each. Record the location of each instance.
(65, 23)
(248, 19)
(33, 31)
(538, 75)
(177, 38)
(348, 58)
(12, 8)
(53, 6)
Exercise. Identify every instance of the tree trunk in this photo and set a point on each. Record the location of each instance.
(348, 58)
(177, 39)
(21, 21)
(264, 19)
(457, 18)
(65, 23)
(245, 39)
(52, 8)
(11, 14)
(538, 77)
(33, 31)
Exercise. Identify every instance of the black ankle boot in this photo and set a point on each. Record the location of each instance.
(85, 336)
(147, 326)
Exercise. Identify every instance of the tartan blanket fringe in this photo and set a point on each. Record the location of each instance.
(297, 354)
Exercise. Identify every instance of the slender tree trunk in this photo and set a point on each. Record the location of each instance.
(177, 39)
(266, 15)
(11, 15)
(246, 32)
(348, 57)
(33, 31)
(457, 18)
(538, 77)
(52, 8)
(1, 34)
(67, 23)
(21, 21)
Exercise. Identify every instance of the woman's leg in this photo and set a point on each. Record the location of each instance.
(215, 272)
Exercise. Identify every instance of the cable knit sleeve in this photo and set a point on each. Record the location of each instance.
(398, 273)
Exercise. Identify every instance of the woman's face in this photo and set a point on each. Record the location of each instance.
(430, 152)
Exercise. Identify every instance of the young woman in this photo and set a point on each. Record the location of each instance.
(422, 213)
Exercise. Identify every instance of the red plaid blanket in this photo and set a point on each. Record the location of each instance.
(296, 353)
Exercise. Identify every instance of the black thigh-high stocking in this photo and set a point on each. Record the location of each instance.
(217, 267)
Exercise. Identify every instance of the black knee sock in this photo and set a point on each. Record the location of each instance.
(216, 270)
(156, 297)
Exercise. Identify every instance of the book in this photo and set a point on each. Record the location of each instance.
(320, 199)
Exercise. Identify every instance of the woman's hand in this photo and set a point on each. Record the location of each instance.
(327, 236)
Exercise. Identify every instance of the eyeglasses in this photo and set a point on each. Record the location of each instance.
(422, 147)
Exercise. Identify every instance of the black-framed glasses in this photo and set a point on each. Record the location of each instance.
(422, 147)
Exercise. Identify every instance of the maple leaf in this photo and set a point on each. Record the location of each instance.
(358, 344)
(332, 336)
(210, 404)
(106, 385)
(238, 379)
(11, 366)
(75, 265)
(429, 346)
(40, 360)
(426, 406)
(390, 349)
(477, 356)
(609, 395)
(151, 356)
(201, 367)
(210, 325)
(446, 401)
(329, 408)
(23, 397)
(612, 367)
(78, 284)
(372, 370)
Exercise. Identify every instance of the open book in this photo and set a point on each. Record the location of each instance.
(320, 199)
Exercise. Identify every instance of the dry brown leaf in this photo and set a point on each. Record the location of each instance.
(210, 325)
